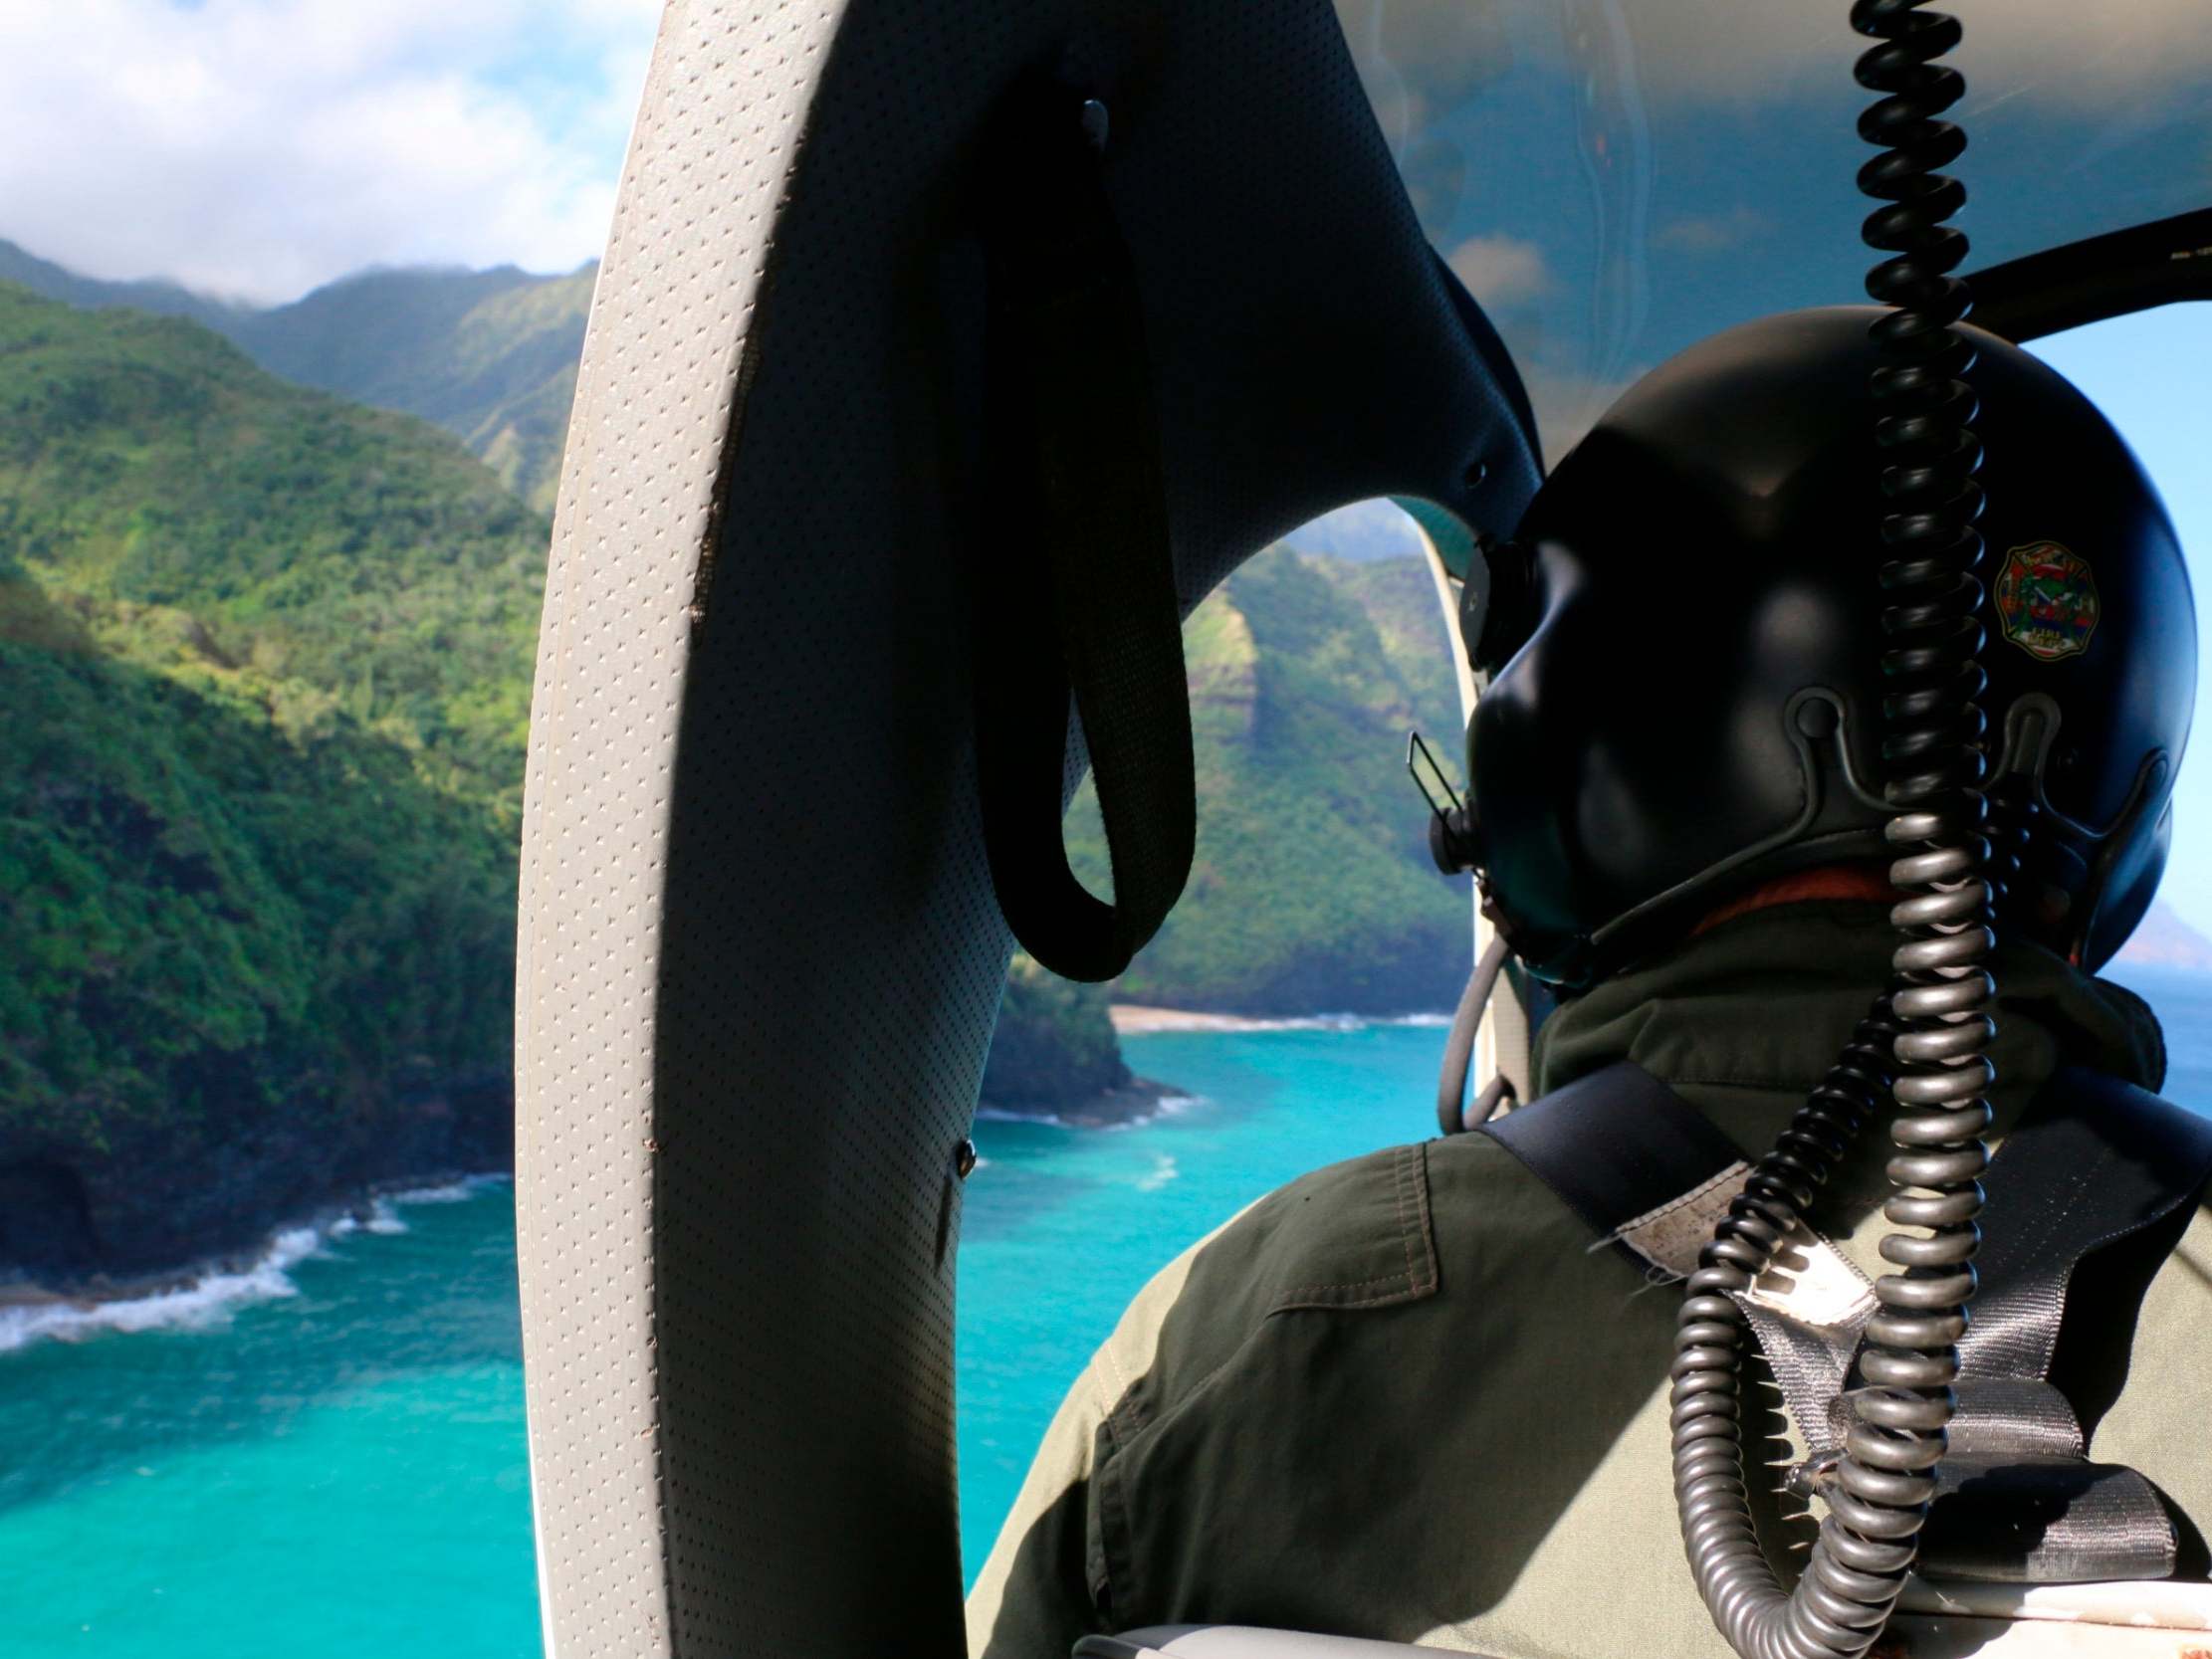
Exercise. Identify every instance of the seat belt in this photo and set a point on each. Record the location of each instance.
(1616, 1146)
(2095, 1162)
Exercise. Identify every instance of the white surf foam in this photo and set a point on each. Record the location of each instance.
(199, 1304)
(446, 1192)
(205, 1300)
(1167, 1105)
(1163, 1172)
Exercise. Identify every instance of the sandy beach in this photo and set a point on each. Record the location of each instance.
(1136, 1019)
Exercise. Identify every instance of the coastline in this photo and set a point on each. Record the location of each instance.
(1138, 1101)
(202, 1292)
(1137, 1019)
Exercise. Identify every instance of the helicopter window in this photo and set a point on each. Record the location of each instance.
(1616, 181)
(2127, 365)
(1314, 925)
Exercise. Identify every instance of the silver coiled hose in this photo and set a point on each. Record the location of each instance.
(1927, 1041)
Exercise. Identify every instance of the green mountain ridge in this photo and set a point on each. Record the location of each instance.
(1312, 889)
(265, 659)
(158, 296)
(490, 356)
(267, 655)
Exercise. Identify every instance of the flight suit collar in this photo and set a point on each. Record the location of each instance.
(1761, 1004)
(1744, 1019)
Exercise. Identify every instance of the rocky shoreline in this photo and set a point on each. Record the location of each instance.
(157, 1221)
(203, 1289)
(1135, 1101)
(139, 1216)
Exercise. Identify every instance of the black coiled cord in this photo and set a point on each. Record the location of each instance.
(1936, 1021)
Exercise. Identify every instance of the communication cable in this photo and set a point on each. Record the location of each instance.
(1927, 1040)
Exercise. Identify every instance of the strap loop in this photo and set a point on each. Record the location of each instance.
(1075, 585)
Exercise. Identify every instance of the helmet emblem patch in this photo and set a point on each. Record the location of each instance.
(2047, 601)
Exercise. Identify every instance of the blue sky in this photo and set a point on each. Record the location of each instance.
(2148, 373)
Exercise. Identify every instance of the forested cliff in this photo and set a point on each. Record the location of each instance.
(263, 663)
(265, 658)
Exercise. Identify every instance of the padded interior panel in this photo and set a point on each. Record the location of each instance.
(761, 957)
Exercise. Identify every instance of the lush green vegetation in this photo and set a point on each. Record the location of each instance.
(488, 355)
(1312, 889)
(219, 527)
(264, 658)
(491, 355)
(265, 655)
(1055, 1046)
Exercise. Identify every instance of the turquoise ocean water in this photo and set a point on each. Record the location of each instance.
(330, 1461)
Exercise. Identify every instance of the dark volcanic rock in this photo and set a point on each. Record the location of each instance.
(1054, 1052)
(181, 1194)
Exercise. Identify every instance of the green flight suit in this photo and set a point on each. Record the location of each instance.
(1406, 1398)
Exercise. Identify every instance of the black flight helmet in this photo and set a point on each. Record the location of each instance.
(1685, 642)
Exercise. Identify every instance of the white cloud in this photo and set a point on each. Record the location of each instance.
(1362, 532)
(258, 147)
(1500, 270)
(1712, 233)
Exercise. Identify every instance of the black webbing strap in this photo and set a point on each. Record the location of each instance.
(2095, 1162)
(1615, 1144)
(1075, 581)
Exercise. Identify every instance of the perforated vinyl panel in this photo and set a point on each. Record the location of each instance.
(760, 952)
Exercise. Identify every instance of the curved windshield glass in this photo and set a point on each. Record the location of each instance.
(1614, 180)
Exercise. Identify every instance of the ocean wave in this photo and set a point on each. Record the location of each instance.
(447, 1192)
(206, 1299)
(1167, 1105)
(198, 1303)
(999, 1114)
(1162, 1172)
(1152, 1022)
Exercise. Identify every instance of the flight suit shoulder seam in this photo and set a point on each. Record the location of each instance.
(1412, 1216)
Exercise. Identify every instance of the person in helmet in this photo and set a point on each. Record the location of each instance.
(1423, 1395)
